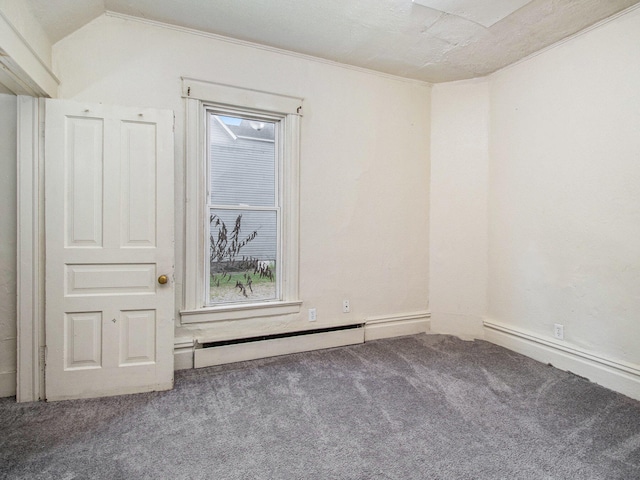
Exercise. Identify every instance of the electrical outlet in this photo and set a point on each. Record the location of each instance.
(313, 316)
(558, 331)
(346, 307)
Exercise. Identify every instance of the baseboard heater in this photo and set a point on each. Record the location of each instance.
(208, 353)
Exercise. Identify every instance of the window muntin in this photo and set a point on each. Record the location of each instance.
(243, 208)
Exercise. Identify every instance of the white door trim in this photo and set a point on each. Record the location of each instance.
(30, 252)
(26, 72)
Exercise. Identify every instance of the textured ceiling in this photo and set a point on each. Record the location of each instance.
(486, 12)
(448, 40)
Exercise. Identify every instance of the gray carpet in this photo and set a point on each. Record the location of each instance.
(420, 407)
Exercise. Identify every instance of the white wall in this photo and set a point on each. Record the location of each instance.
(564, 228)
(364, 165)
(7, 245)
(459, 176)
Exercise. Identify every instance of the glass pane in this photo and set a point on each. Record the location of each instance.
(242, 255)
(242, 156)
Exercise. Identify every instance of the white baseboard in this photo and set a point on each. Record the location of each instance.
(206, 357)
(7, 384)
(183, 353)
(396, 325)
(619, 376)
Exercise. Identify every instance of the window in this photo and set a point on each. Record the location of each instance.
(241, 211)
(243, 207)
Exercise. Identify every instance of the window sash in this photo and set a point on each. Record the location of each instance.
(278, 259)
(274, 197)
(248, 114)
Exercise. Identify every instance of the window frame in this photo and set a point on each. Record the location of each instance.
(200, 97)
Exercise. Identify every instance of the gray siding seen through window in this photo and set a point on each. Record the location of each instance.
(243, 173)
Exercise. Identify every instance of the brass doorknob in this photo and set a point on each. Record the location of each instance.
(162, 279)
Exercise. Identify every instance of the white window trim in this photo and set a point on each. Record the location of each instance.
(198, 96)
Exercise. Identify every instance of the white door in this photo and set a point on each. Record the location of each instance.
(109, 239)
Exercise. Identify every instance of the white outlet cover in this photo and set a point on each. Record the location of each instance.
(485, 12)
(558, 331)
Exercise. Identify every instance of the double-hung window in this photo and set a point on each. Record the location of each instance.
(244, 207)
(241, 211)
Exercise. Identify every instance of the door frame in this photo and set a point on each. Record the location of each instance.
(30, 250)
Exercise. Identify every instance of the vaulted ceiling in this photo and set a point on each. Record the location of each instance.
(430, 40)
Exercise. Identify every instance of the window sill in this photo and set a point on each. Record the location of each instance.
(239, 312)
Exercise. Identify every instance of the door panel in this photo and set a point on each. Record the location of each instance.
(137, 337)
(83, 164)
(109, 235)
(139, 185)
(83, 340)
(123, 279)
